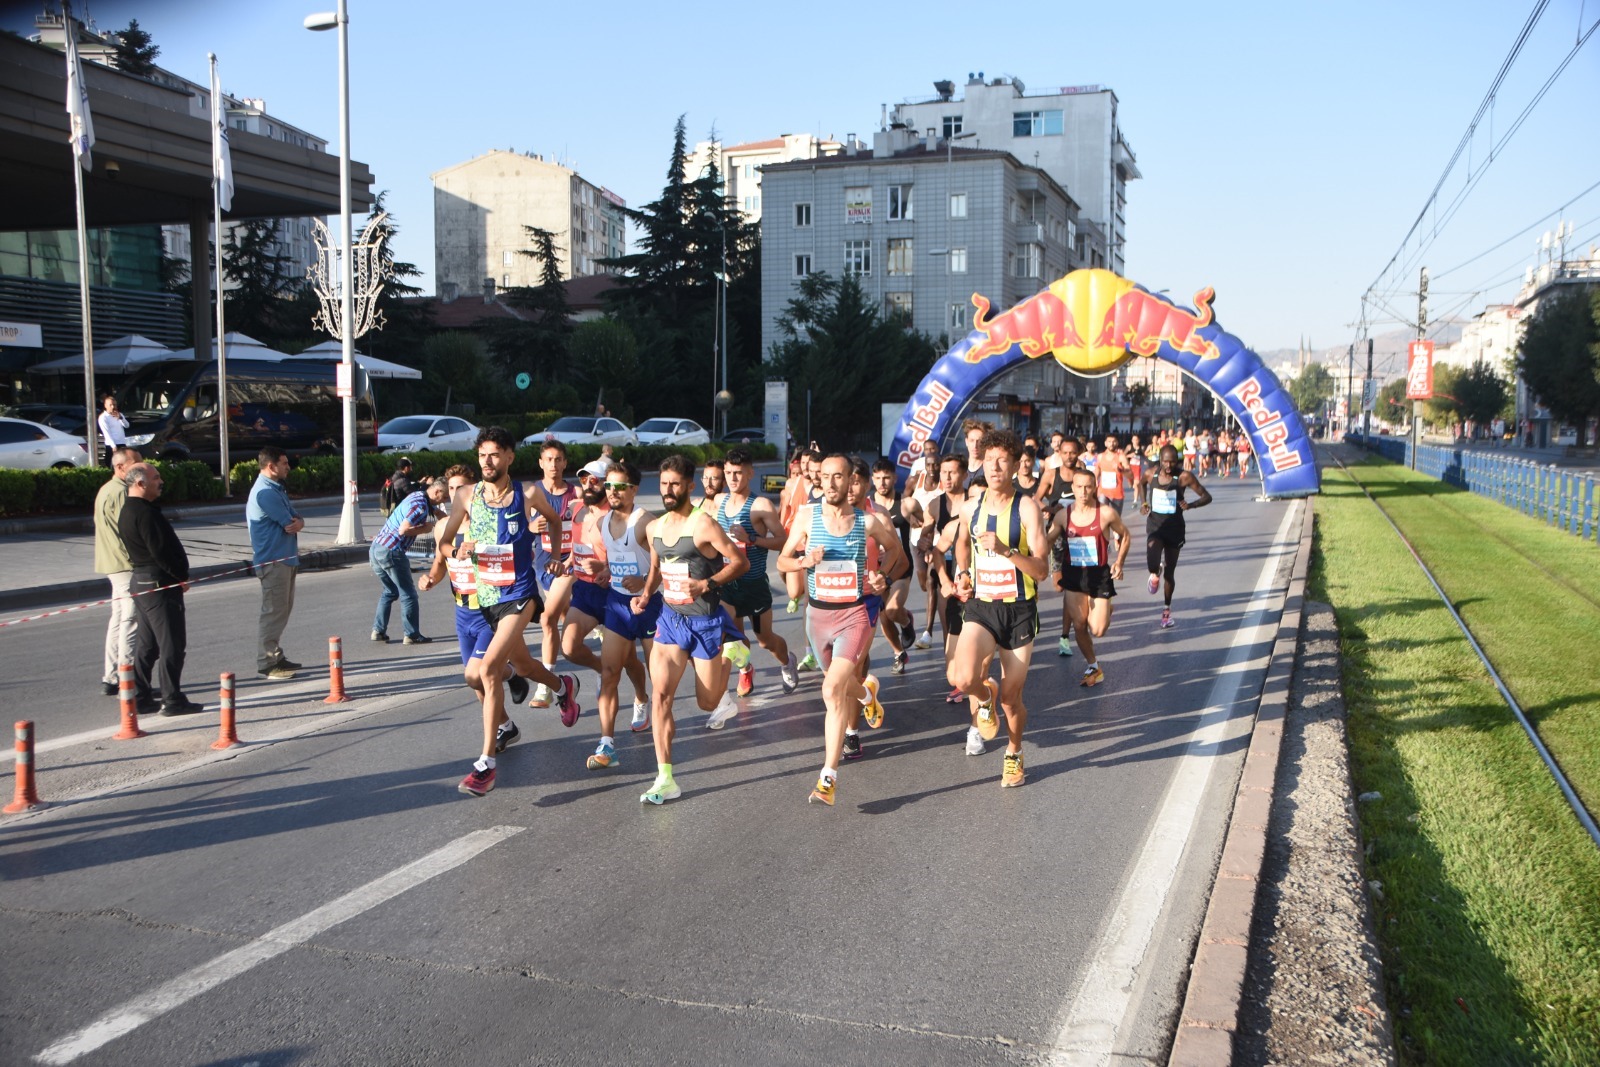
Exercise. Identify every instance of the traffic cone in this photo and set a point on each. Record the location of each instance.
(27, 796)
(226, 736)
(130, 705)
(336, 694)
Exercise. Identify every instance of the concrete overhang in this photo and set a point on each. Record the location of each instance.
(162, 152)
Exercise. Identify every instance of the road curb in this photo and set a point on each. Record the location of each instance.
(1212, 1002)
(21, 527)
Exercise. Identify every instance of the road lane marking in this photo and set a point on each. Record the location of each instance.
(184, 988)
(1094, 1019)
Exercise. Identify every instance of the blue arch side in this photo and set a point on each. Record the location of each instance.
(1236, 374)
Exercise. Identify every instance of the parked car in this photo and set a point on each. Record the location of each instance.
(35, 446)
(750, 435)
(671, 432)
(427, 433)
(68, 418)
(584, 430)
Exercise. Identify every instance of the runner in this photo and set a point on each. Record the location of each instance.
(922, 486)
(622, 538)
(793, 581)
(1202, 452)
(1026, 479)
(1241, 448)
(940, 527)
(1161, 498)
(1000, 559)
(972, 431)
(898, 626)
(1224, 452)
(686, 546)
(1087, 579)
(751, 523)
(713, 482)
(860, 497)
(499, 540)
(1110, 470)
(555, 584)
(1060, 498)
(829, 545)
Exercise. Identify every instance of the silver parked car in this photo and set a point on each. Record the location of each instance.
(427, 433)
(34, 446)
(584, 430)
(671, 432)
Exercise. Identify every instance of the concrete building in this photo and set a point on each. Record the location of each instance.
(481, 206)
(1491, 335)
(741, 164)
(1070, 133)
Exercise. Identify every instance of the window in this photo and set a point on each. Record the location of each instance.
(802, 215)
(958, 316)
(1029, 261)
(749, 170)
(958, 205)
(858, 257)
(752, 203)
(958, 261)
(898, 305)
(899, 202)
(900, 255)
(505, 258)
(952, 126)
(802, 264)
(1035, 123)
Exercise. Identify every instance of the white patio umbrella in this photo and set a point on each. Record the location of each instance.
(240, 346)
(333, 351)
(118, 357)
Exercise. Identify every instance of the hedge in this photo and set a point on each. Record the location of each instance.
(74, 489)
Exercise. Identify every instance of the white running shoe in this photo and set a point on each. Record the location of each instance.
(925, 639)
(542, 696)
(974, 742)
(641, 716)
(724, 711)
(790, 674)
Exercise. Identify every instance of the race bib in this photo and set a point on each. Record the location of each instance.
(1083, 551)
(675, 582)
(995, 579)
(837, 581)
(623, 563)
(566, 538)
(1164, 501)
(496, 565)
(462, 580)
(741, 540)
(1110, 478)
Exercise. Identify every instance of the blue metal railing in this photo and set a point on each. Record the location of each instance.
(1560, 498)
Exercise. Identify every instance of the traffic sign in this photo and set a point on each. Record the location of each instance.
(1419, 371)
(524, 380)
(1369, 393)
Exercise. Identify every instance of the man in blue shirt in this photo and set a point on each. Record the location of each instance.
(412, 516)
(275, 549)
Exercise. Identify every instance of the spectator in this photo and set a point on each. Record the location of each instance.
(412, 516)
(113, 426)
(111, 560)
(400, 484)
(160, 578)
(275, 551)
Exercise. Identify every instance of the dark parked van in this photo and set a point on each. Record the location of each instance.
(172, 410)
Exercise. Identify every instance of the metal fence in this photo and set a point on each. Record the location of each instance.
(1560, 498)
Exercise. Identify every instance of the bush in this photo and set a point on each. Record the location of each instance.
(67, 488)
(16, 491)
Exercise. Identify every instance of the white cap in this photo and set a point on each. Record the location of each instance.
(598, 468)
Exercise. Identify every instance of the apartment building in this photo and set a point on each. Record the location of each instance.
(740, 164)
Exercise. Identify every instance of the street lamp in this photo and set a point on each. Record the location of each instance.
(350, 517)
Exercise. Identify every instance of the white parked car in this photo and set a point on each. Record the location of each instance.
(671, 432)
(34, 446)
(427, 433)
(584, 430)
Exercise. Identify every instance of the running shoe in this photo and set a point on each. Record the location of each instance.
(974, 742)
(794, 605)
(641, 716)
(908, 635)
(809, 663)
(852, 746)
(901, 658)
(988, 721)
(541, 696)
(726, 709)
(1011, 774)
(605, 755)
(955, 696)
(661, 791)
(1064, 647)
(872, 710)
(790, 673)
(822, 792)
(505, 734)
(737, 653)
(747, 681)
(1092, 676)
(519, 688)
(1155, 584)
(569, 699)
(925, 639)
(477, 782)
(1166, 619)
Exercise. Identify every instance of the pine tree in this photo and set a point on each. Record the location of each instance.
(406, 322)
(258, 302)
(135, 53)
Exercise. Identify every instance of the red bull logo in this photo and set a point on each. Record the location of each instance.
(1269, 426)
(924, 422)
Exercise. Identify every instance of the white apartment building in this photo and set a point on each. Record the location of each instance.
(1071, 133)
(481, 206)
(1491, 335)
(741, 164)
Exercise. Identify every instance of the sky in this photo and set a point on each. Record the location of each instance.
(1286, 149)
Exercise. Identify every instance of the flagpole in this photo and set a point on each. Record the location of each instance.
(219, 118)
(81, 137)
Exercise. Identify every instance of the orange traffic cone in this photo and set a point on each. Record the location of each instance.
(336, 694)
(226, 735)
(130, 710)
(27, 796)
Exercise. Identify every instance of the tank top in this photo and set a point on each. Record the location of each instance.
(682, 562)
(564, 504)
(1086, 545)
(942, 517)
(839, 580)
(625, 557)
(582, 549)
(901, 524)
(994, 577)
(503, 549)
(740, 521)
(1109, 479)
(1164, 500)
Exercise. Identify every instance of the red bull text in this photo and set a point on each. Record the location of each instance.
(924, 422)
(1269, 426)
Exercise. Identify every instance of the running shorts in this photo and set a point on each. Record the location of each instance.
(845, 633)
(620, 619)
(473, 633)
(951, 610)
(874, 605)
(590, 599)
(748, 600)
(1013, 625)
(1095, 581)
(702, 636)
(493, 613)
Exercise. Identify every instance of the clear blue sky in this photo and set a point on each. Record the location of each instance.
(1286, 148)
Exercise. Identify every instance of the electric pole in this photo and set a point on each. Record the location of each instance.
(1422, 330)
(1366, 412)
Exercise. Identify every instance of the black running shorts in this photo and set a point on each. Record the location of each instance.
(1013, 625)
(1095, 581)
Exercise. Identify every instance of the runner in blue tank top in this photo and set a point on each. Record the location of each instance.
(753, 524)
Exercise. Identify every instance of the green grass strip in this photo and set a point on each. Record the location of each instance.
(1489, 921)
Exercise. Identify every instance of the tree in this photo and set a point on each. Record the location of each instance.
(605, 354)
(1138, 397)
(405, 322)
(453, 366)
(1482, 392)
(257, 303)
(1311, 389)
(134, 50)
(535, 342)
(1445, 403)
(1391, 404)
(1560, 358)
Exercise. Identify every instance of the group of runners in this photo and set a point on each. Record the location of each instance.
(981, 533)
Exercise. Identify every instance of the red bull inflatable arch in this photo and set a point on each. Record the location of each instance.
(1093, 322)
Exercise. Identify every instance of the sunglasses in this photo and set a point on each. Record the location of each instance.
(619, 485)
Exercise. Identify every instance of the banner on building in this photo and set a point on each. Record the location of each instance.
(858, 204)
(1419, 371)
(775, 419)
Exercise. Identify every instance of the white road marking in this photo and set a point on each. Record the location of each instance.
(162, 999)
(1093, 1020)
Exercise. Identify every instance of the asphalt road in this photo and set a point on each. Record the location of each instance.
(323, 895)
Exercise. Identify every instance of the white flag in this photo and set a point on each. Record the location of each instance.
(82, 136)
(221, 158)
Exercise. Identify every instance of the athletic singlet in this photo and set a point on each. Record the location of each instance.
(741, 519)
(1241, 445)
(1135, 467)
(1109, 479)
(463, 578)
(625, 557)
(682, 562)
(564, 504)
(581, 549)
(839, 580)
(1086, 545)
(994, 577)
(1164, 501)
(503, 547)
(924, 497)
(942, 517)
(901, 524)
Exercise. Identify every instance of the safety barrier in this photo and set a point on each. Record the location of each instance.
(128, 701)
(1560, 498)
(27, 797)
(227, 734)
(336, 693)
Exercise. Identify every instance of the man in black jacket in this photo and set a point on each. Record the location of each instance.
(158, 560)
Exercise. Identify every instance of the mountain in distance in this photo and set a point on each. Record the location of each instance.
(1388, 351)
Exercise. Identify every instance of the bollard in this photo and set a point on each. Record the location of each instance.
(130, 711)
(227, 737)
(336, 694)
(27, 796)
